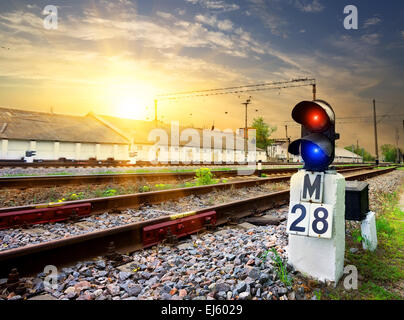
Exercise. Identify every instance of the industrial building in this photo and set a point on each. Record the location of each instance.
(278, 151)
(54, 136)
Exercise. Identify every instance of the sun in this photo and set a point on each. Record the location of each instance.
(133, 108)
(130, 99)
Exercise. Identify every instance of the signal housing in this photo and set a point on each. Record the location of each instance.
(317, 142)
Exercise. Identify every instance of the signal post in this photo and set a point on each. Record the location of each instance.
(316, 219)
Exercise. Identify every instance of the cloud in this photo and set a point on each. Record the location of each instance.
(134, 29)
(225, 25)
(371, 39)
(216, 5)
(164, 15)
(311, 6)
(402, 34)
(181, 12)
(371, 22)
(266, 13)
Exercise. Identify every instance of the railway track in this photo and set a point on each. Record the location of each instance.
(60, 211)
(104, 163)
(134, 236)
(151, 177)
(116, 163)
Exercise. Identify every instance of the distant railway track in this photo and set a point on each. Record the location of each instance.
(134, 236)
(116, 163)
(151, 177)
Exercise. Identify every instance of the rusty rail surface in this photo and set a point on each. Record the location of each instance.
(151, 177)
(128, 238)
(38, 163)
(54, 212)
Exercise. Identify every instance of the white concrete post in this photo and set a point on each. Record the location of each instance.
(56, 147)
(116, 152)
(32, 145)
(78, 151)
(98, 151)
(369, 233)
(4, 148)
(320, 258)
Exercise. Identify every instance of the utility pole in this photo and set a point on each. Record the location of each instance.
(245, 130)
(375, 125)
(288, 140)
(397, 149)
(352, 150)
(314, 91)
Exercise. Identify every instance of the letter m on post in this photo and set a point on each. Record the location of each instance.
(313, 185)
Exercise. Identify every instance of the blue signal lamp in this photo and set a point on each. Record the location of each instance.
(317, 144)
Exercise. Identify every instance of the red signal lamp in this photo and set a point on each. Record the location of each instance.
(315, 116)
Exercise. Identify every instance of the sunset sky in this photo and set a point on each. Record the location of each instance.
(113, 57)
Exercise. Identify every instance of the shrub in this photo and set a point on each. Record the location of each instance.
(75, 196)
(110, 193)
(144, 189)
(204, 176)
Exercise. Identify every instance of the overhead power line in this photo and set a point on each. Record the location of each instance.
(239, 89)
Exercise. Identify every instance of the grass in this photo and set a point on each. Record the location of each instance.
(203, 176)
(281, 268)
(381, 273)
(162, 170)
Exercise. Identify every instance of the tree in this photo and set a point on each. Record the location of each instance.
(263, 132)
(389, 152)
(358, 150)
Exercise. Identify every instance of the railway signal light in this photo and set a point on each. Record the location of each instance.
(317, 143)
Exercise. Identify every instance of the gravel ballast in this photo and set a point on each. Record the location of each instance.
(230, 263)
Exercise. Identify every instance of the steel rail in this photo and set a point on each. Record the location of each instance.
(150, 177)
(128, 238)
(59, 211)
(124, 163)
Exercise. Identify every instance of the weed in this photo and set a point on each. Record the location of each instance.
(281, 268)
(109, 193)
(75, 196)
(357, 236)
(204, 176)
(317, 293)
(383, 225)
(99, 193)
(162, 186)
(144, 189)
(189, 184)
(373, 291)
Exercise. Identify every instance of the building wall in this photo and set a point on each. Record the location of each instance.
(50, 150)
(189, 154)
(15, 149)
(347, 159)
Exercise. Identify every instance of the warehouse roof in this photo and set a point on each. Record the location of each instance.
(339, 152)
(343, 153)
(30, 125)
(41, 126)
(137, 131)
